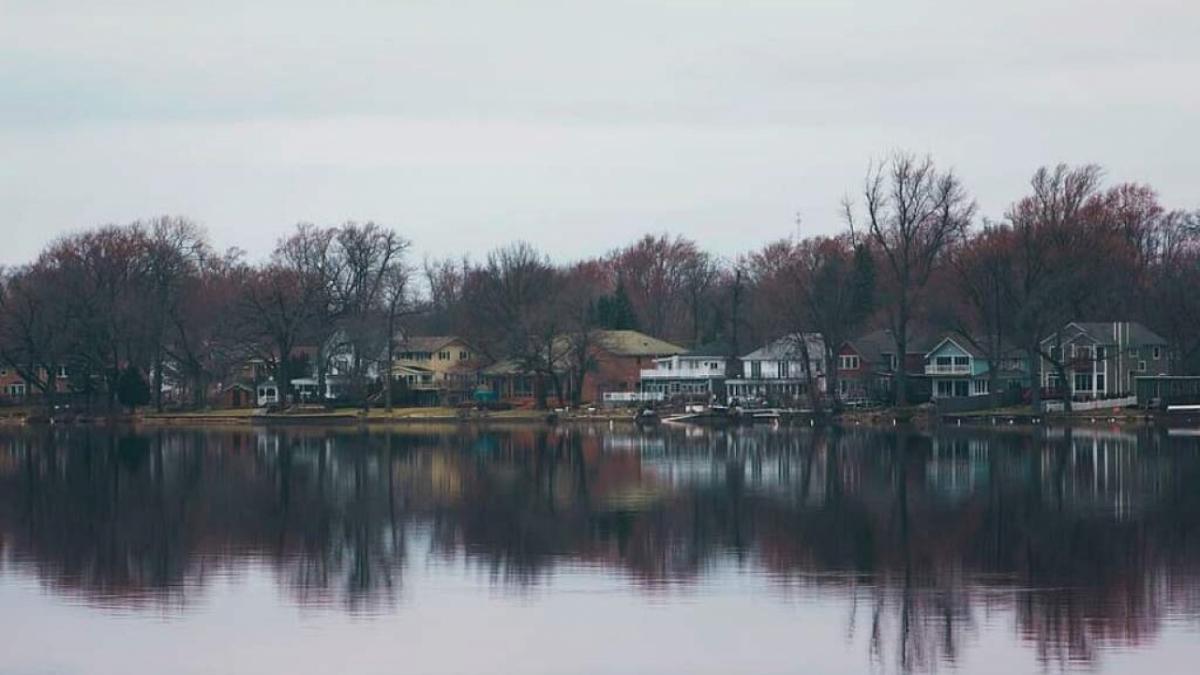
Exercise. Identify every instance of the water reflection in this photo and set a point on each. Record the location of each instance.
(1083, 541)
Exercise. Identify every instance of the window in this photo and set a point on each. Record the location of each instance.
(980, 387)
(962, 388)
(1100, 382)
(962, 360)
(784, 369)
(848, 362)
(1056, 354)
(756, 369)
(1083, 381)
(16, 390)
(944, 361)
(463, 355)
(945, 388)
(1141, 366)
(892, 362)
(1157, 353)
(3, 372)
(444, 356)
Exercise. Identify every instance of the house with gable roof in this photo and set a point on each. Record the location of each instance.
(775, 373)
(957, 368)
(1102, 359)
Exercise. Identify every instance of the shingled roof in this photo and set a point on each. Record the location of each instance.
(634, 343)
(426, 343)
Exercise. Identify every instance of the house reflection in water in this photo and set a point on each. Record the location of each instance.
(1088, 538)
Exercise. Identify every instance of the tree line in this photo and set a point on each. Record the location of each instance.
(157, 298)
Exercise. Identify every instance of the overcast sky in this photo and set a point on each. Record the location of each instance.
(577, 126)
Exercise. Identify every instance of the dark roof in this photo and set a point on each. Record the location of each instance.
(875, 344)
(1103, 332)
(788, 347)
(971, 345)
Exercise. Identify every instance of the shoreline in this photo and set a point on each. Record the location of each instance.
(883, 418)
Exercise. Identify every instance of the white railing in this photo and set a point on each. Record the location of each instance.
(935, 369)
(681, 374)
(633, 396)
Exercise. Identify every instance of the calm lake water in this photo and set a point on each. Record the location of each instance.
(592, 550)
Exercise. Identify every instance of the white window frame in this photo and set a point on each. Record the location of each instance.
(849, 362)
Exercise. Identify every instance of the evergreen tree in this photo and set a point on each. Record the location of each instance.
(864, 283)
(132, 388)
(615, 312)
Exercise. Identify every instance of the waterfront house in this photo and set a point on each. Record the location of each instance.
(13, 388)
(697, 374)
(867, 365)
(958, 368)
(775, 373)
(615, 360)
(1102, 359)
(438, 368)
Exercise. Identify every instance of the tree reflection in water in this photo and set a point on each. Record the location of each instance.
(1085, 539)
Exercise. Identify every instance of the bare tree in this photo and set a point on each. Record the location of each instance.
(1052, 244)
(511, 303)
(982, 271)
(914, 214)
(35, 327)
(370, 265)
(174, 249)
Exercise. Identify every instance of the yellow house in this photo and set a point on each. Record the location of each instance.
(443, 363)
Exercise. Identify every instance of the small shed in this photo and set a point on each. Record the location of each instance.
(236, 395)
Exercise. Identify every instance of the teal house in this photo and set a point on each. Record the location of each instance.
(957, 368)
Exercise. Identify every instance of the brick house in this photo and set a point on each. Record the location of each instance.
(867, 365)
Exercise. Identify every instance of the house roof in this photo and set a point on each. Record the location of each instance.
(1103, 332)
(787, 347)
(872, 346)
(970, 346)
(634, 343)
(505, 367)
(405, 368)
(426, 343)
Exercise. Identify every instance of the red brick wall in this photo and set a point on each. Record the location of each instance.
(613, 372)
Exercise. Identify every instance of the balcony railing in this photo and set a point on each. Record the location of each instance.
(681, 374)
(935, 369)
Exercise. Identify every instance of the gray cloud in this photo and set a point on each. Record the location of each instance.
(574, 125)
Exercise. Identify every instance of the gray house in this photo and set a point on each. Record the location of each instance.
(1102, 360)
(775, 373)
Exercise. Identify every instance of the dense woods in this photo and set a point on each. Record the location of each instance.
(155, 297)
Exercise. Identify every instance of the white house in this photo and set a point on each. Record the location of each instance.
(699, 373)
(776, 372)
